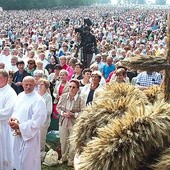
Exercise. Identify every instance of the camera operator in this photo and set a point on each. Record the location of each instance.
(88, 45)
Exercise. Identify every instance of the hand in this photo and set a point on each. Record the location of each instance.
(71, 114)
(10, 121)
(68, 114)
(14, 123)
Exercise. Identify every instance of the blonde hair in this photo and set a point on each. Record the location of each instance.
(120, 71)
(64, 72)
(4, 73)
(45, 81)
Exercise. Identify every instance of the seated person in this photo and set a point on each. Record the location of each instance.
(148, 78)
(89, 91)
(78, 71)
(120, 76)
(86, 77)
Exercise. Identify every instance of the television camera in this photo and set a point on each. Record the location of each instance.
(87, 42)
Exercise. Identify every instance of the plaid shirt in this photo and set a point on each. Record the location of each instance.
(144, 79)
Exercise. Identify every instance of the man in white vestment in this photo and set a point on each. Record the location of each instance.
(28, 117)
(7, 101)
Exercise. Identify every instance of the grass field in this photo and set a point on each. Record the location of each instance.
(57, 167)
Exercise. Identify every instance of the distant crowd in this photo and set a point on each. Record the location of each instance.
(44, 48)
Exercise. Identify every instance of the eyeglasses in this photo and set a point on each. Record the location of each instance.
(30, 63)
(73, 87)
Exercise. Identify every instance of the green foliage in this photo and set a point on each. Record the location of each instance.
(35, 4)
(104, 1)
(160, 2)
(141, 1)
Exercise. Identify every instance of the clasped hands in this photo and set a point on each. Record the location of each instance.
(68, 114)
(14, 124)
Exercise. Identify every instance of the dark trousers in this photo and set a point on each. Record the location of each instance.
(86, 60)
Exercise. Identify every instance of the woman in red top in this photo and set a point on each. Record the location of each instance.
(60, 88)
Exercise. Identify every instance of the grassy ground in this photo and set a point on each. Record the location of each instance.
(57, 167)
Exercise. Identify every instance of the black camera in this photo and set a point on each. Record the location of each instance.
(79, 29)
(87, 24)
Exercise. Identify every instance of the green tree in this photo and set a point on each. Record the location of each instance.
(141, 1)
(104, 1)
(37, 4)
(160, 2)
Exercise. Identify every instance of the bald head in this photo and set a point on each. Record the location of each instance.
(28, 84)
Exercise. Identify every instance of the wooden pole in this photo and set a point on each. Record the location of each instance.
(167, 71)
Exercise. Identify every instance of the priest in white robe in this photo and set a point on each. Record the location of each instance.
(7, 100)
(28, 117)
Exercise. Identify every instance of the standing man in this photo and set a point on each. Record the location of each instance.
(89, 44)
(7, 101)
(28, 117)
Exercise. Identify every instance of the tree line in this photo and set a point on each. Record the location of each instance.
(39, 4)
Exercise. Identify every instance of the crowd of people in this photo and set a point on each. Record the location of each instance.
(42, 72)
